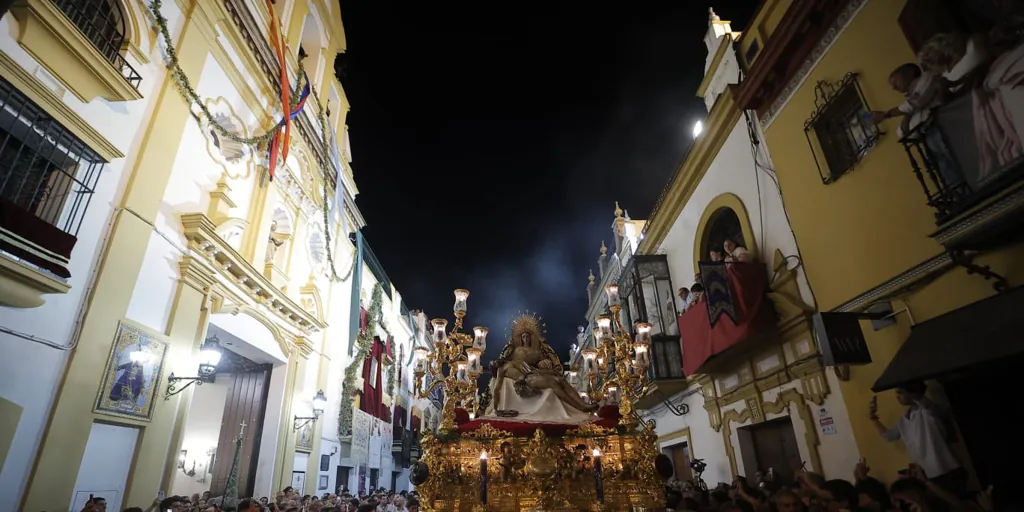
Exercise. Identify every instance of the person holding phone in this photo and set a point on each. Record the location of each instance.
(924, 430)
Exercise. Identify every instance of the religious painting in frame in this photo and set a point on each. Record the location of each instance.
(304, 442)
(132, 374)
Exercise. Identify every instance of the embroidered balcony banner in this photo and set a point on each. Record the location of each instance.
(717, 293)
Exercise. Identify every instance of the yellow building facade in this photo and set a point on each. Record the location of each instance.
(881, 228)
(150, 228)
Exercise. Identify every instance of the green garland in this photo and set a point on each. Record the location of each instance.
(188, 92)
(364, 341)
(186, 89)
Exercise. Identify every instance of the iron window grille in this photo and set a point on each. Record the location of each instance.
(102, 23)
(839, 131)
(44, 168)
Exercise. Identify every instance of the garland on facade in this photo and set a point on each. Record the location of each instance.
(364, 342)
(188, 92)
(184, 86)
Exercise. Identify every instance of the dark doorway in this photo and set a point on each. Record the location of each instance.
(680, 455)
(770, 447)
(246, 403)
(374, 475)
(723, 224)
(341, 478)
(394, 481)
(974, 397)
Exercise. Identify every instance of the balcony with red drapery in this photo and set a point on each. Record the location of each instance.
(735, 309)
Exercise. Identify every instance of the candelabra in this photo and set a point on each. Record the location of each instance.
(458, 352)
(628, 359)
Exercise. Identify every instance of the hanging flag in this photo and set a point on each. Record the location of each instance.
(338, 208)
(279, 46)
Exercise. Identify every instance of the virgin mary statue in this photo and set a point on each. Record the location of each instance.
(529, 382)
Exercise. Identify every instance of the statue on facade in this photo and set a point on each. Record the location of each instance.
(529, 381)
(274, 242)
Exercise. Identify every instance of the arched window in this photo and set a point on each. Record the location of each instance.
(310, 46)
(103, 23)
(723, 224)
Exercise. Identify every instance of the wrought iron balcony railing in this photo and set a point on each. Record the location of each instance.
(102, 23)
(47, 178)
(962, 156)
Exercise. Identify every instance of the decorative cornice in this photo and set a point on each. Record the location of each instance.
(196, 274)
(1005, 207)
(820, 49)
(908, 278)
(712, 71)
(53, 105)
(225, 260)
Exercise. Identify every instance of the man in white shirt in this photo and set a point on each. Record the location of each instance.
(924, 431)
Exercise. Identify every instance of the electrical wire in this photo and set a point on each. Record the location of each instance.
(755, 138)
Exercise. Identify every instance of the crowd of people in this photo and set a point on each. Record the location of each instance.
(288, 500)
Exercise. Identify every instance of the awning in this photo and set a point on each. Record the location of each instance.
(975, 334)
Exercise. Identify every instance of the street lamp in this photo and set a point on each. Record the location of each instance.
(209, 358)
(319, 404)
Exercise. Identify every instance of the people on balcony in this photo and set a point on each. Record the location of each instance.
(735, 252)
(684, 297)
(995, 79)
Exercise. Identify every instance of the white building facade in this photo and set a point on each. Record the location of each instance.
(168, 238)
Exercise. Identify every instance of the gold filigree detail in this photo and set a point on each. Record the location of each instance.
(487, 431)
(590, 430)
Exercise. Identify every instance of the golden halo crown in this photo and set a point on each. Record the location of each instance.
(527, 322)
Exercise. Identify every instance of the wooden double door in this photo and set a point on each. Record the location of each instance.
(246, 404)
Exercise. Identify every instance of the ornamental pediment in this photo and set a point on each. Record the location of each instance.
(207, 245)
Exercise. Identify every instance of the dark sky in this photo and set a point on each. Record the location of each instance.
(491, 140)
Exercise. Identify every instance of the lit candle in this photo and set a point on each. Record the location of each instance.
(598, 484)
(642, 360)
(460, 301)
(480, 338)
(589, 355)
(643, 333)
(439, 326)
(604, 323)
(483, 478)
(612, 291)
(461, 371)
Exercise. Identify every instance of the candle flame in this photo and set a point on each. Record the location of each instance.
(483, 455)
(597, 453)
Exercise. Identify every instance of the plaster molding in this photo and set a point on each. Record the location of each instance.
(904, 280)
(195, 274)
(22, 286)
(54, 106)
(712, 72)
(204, 241)
(787, 399)
(820, 50)
(57, 44)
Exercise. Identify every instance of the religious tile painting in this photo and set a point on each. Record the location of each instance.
(304, 442)
(132, 374)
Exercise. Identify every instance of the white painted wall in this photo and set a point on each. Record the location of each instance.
(201, 433)
(33, 384)
(104, 468)
(707, 444)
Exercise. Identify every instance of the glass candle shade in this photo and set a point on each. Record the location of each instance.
(604, 325)
(480, 338)
(612, 394)
(612, 291)
(460, 300)
(461, 373)
(589, 361)
(439, 326)
(642, 356)
(643, 333)
(474, 366)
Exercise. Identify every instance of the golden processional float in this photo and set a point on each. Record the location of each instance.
(538, 444)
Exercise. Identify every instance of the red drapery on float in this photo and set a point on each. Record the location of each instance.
(754, 315)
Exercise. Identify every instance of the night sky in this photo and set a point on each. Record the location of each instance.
(491, 140)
